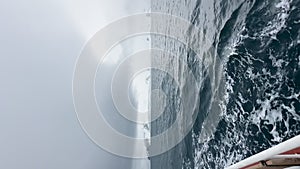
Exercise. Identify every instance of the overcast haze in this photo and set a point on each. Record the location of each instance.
(39, 44)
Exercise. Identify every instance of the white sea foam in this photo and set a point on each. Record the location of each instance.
(279, 21)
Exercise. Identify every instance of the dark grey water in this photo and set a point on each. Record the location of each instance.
(250, 79)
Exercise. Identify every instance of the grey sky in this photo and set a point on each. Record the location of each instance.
(39, 44)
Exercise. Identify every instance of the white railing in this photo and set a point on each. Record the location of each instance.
(270, 153)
